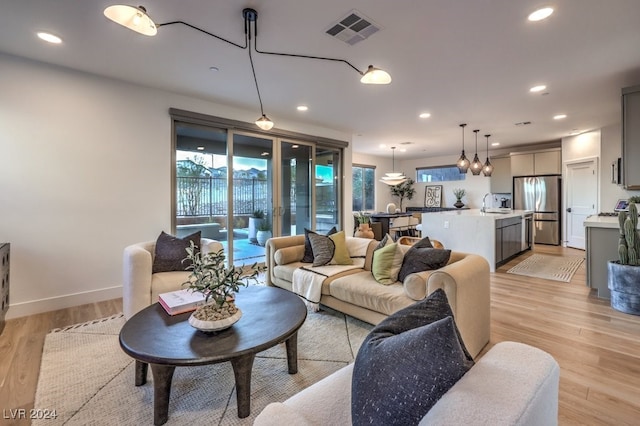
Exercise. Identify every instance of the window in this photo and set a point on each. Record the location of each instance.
(439, 174)
(363, 187)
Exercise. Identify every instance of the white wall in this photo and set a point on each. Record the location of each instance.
(610, 193)
(476, 186)
(84, 171)
(605, 145)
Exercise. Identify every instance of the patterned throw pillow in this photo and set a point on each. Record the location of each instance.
(308, 251)
(323, 249)
(406, 363)
(423, 259)
(171, 250)
(386, 264)
(384, 242)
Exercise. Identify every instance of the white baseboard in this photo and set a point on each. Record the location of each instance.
(32, 307)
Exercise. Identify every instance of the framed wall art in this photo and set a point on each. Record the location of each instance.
(433, 196)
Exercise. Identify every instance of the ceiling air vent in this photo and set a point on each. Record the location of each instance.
(353, 28)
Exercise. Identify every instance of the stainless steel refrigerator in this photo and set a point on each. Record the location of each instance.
(541, 194)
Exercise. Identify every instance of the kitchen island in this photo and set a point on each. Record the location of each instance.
(602, 234)
(498, 235)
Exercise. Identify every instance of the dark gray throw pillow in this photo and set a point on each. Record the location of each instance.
(406, 363)
(423, 259)
(171, 250)
(423, 243)
(308, 251)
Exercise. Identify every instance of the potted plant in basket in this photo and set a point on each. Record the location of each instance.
(257, 217)
(218, 284)
(624, 274)
(264, 232)
(459, 193)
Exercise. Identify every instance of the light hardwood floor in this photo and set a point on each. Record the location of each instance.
(598, 349)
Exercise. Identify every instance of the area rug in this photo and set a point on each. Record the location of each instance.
(88, 380)
(554, 268)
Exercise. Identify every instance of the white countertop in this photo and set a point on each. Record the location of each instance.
(490, 213)
(596, 221)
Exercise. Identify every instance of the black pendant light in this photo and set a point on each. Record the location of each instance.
(476, 165)
(463, 161)
(487, 169)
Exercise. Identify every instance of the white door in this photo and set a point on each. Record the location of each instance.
(582, 197)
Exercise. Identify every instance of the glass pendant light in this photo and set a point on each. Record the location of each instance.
(487, 169)
(476, 165)
(463, 161)
(264, 123)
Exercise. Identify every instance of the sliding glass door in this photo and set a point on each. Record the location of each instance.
(295, 206)
(240, 188)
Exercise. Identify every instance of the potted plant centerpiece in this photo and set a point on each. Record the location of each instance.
(218, 284)
(624, 274)
(364, 226)
(264, 232)
(256, 218)
(459, 193)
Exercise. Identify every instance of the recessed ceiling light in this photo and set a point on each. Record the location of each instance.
(425, 115)
(295, 146)
(559, 116)
(302, 108)
(49, 38)
(214, 69)
(200, 148)
(539, 88)
(264, 154)
(495, 143)
(540, 14)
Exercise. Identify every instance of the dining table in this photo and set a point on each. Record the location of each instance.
(386, 218)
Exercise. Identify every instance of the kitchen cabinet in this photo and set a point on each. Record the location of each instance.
(508, 242)
(501, 181)
(547, 163)
(522, 164)
(536, 163)
(631, 137)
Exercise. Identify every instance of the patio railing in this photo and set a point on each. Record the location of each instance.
(207, 196)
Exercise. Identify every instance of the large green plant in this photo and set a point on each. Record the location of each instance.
(403, 190)
(629, 243)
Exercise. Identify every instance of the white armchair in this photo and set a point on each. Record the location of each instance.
(140, 288)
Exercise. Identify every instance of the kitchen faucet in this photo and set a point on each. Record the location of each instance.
(483, 209)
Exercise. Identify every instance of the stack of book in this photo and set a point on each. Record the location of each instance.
(181, 301)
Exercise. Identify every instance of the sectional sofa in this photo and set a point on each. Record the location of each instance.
(355, 292)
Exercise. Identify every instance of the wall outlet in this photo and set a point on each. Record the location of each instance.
(446, 224)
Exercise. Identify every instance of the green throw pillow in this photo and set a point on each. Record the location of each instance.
(386, 263)
(341, 254)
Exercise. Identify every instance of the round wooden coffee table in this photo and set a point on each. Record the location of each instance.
(152, 337)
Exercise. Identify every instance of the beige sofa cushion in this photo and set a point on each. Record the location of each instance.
(414, 285)
(361, 289)
(287, 255)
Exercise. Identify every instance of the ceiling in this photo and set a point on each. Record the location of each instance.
(470, 61)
